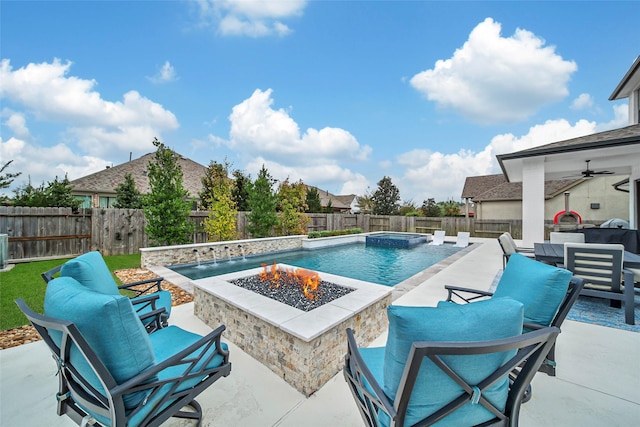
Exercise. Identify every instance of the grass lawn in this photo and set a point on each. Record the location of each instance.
(24, 281)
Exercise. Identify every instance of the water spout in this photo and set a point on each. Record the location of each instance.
(226, 248)
(213, 251)
(242, 252)
(195, 251)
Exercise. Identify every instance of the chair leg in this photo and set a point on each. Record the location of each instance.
(196, 414)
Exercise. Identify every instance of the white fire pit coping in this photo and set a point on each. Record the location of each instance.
(306, 325)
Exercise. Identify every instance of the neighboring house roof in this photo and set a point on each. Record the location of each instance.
(342, 202)
(513, 190)
(629, 83)
(476, 185)
(106, 180)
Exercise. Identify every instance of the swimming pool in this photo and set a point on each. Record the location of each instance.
(377, 264)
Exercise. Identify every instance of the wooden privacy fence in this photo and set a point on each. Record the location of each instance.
(37, 233)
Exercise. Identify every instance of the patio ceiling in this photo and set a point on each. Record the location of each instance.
(617, 151)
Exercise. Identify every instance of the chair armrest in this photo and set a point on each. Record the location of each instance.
(154, 319)
(156, 282)
(363, 385)
(524, 251)
(456, 290)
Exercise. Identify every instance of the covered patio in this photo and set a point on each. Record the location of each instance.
(596, 384)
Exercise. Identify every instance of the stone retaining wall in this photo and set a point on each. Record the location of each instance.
(187, 254)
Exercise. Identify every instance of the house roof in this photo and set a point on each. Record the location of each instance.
(513, 190)
(614, 150)
(106, 180)
(337, 202)
(476, 185)
(629, 83)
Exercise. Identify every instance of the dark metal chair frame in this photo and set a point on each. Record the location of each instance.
(602, 275)
(576, 285)
(76, 392)
(506, 253)
(141, 301)
(371, 399)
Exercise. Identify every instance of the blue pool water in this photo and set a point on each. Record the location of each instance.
(377, 264)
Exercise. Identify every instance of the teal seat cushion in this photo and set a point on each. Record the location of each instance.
(541, 288)
(91, 271)
(109, 325)
(480, 321)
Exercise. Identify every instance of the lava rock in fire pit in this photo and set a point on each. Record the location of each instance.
(290, 294)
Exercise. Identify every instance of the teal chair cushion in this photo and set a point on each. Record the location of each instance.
(91, 271)
(110, 326)
(480, 321)
(164, 300)
(541, 288)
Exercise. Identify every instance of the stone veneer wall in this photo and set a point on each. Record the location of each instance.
(307, 366)
(184, 254)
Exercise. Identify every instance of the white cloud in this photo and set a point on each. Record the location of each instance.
(16, 123)
(269, 136)
(165, 74)
(251, 18)
(88, 128)
(620, 119)
(495, 79)
(584, 100)
(441, 176)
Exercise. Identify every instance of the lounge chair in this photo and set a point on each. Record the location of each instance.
(110, 371)
(601, 267)
(438, 237)
(147, 296)
(462, 239)
(509, 248)
(547, 292)
(560, 238)
(450, 363)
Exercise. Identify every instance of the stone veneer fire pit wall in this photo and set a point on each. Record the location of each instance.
(306, 349)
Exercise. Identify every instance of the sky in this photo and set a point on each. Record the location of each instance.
(338, 94)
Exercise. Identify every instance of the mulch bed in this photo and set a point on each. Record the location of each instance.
(27, 334)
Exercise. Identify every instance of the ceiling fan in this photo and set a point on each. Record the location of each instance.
(588, 173)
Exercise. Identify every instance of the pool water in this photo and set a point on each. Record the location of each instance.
(377, 264)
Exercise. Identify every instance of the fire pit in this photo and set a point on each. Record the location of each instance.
(305, 348)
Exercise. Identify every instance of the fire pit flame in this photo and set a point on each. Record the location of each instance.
(308, 281)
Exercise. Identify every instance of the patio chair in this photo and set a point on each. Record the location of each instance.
(438, 237)
(147, 296)
(601, 267)
(547, 292)
(509, 247)
(449, 364)
(462, 239)
(111, 372)
(560, 238)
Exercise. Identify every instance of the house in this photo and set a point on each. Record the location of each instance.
(616, 151)
(339, 204)
(595, 200)
(99, 189)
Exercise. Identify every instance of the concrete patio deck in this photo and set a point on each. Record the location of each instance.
(596, 385)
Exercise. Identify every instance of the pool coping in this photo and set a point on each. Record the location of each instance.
(398, 290)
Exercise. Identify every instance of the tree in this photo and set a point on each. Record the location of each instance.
(220, 224)
(240, 191)
(54, 194)
(408, 208)
(450, 208)
(212, 176)
(292, 205)
(430, 208)
(166, 207)
(262, 203)
(127, 195)
(365, 202)
(386, 197)
(313, 200)
(6, 179)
